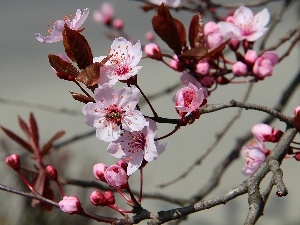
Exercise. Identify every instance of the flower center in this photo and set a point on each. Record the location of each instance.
(113, 114)
(188, 97)
(137, 142)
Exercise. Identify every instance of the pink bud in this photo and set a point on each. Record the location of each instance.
(97, 198)
(110, 198)
(123, 164)
(297, 110)
(264, 64)
(105, 14)
(71, 205)
(51, 172)
(153, 51)
(13, 161)
(203, 67)
(174, 63)
(116, 176)
(264, 132)
(210, 27)
(251, 56)
(98, 171)
(207, 81)
(118, 24)
(239, 69)
(150, 36)
(234, 44)
(297, 156)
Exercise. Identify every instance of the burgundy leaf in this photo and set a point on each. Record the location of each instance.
(81, 97)
(24, 127)
(194, 53)
(64, 69)
(17, 139)
(34, 130)
(46, 148)
(77, 48)
(49, 194)
(181, 31)
(165, 27)
(196, 32)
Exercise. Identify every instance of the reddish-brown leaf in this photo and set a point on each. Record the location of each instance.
(77, 47)
(165, 27)
(64, 70)
(17, 139)
(49, 194)
(46, 148)
(196, 32)
(194, 53)
(81, 97)
(34, 130)
(90, 75)
(24, 126)
(181, 31)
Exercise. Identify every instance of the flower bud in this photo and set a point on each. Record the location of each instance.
(71, 205)
(98, 171)
(203, 67)
(116, 176)
(239, 69)
(97, 198)
(150, 36)
(251, 56)
(51, 172)
(297, 156)
(13, 161)
(123, 164)
(153, 51)
(264, 64)
(234, 44)
(297, 110)
(118, 24)
(264, 132)
(110, 198)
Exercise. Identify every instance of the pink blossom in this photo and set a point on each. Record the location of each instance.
(58, 27)
(113, 112)
(213, 35)
(153, 51)
(264, 64)
(264, 132)
(105, 14)
(172, 3)
(243, 25)
(70, 204)
(98, 171)
(187, 78)
(255, 153)
(123, 61)
(134, 147)
(239, 69)
(174, 64)
(116, 176)
(188, 99)
(251, 56)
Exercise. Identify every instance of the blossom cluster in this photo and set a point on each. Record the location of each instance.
(255, 151)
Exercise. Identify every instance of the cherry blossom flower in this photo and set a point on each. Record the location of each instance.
(264, 64)
(123, 61)
(255, 153)
(58, 27)
(264, 132)
(243, 25)
(134, 147)
(188, 99)
(113, 112)
(70, 204)
(172, 3)
(187, 78)
(116, 176)
(105, 14)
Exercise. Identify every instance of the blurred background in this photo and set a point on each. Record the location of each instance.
(26, 78)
